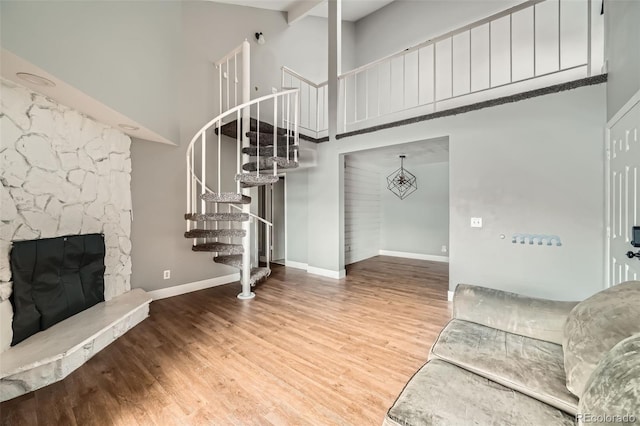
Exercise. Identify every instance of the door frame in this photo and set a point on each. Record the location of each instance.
(268, 203)
(635, 99)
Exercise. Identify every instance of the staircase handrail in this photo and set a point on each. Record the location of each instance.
(232, 54)
(266, 222)
(235, 110)
(320, 126)
(306, 80)
(191, 175)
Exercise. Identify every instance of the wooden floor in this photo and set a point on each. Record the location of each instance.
(307, 350)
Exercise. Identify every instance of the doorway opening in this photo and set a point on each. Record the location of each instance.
(380, 222)
(273, 210)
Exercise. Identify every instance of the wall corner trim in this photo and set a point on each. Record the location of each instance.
(296, 265)
(177, 290)
(419, 256)
(329, 273)
(450, 296)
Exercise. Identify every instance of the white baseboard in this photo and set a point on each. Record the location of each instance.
(177, 290)
(450, 296)
(327, 272)
(297, 265)
(419, 256)
(316, 271)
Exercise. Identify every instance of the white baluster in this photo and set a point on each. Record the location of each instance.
(275, 134)
(203, 171)
(296, 135)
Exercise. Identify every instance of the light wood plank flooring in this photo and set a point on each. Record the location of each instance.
(307, 351)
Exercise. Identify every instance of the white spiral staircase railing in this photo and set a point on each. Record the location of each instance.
(265, 134)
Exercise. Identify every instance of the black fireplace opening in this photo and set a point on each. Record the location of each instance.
(53, 279)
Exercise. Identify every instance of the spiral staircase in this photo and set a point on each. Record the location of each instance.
(264, 136)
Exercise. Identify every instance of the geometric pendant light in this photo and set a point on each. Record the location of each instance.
(401, 182)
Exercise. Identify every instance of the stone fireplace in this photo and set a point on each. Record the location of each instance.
(62, 173)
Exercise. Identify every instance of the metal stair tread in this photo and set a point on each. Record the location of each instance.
(226, 197)
(219, 248)
(267, 151)
(266, 139)
(258, 274)
(234, 260)
(214, 233)
(249, 180)
(217, 217)
(231, 129)
(266, 163)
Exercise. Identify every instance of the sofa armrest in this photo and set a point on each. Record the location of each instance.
(526, 316)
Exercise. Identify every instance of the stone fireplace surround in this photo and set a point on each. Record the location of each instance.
(63, 173)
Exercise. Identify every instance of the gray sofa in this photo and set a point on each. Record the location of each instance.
(507, 359)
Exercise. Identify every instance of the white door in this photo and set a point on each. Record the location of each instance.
(623, 192)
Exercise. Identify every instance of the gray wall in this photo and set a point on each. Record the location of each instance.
(534, 166)
(210, 30)
(420, 223)
(349, 48)
(159, 198)
(622, 38)
(379, 34)
(296, 204)
(125, 54)
(213, 29)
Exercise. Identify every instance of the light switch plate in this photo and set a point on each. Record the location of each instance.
(476, 222)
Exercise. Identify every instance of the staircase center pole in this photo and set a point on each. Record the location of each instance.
(246, 208)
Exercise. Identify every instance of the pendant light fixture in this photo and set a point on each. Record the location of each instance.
(402, 182)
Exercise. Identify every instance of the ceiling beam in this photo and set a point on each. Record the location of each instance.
(300, 9)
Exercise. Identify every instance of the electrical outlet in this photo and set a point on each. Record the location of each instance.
(443, 249)
(476, 222)
(167, 274)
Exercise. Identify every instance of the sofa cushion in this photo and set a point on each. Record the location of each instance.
(533, 367)
(595, 326)
(540, 319)
(444, 394)
(614, 387)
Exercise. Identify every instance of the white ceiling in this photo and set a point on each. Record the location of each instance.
(387, 158)
(352, 10)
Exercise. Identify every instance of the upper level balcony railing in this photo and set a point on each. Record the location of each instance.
(532, 45)
(313, 107)
(535, 44)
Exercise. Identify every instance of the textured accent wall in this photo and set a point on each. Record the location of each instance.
(62, 173)
(361, 212)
